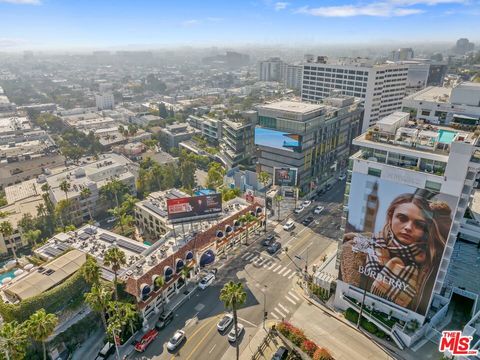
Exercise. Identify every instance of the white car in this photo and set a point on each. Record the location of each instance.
(225, 322)
(342, 177)
(176, 340)
(231, 334)
(299, 209)
(289, 225)
(206, 281)
(306, 203)
(318, 210)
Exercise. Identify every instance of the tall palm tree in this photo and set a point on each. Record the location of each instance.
(13, 340)
(185, 272)
(91, 271)
(115, 258)
(40, 326)
(45, 188)
(264, 179)
(65, 186)
(98, 299)
(233, 297)
(129, 315)
(278, 199)
(85, 193)
(32, 236)
(41, 210)
(247, 219)
(6, 229)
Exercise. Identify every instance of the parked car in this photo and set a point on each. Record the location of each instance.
(225, 322)
(272, 249)
(318, 210)
(269, 239)
(299, 209)
(328, 187)
(342, 177)
(164, 319)
(307, 220)
(146, 340)
(107, 350)
(280, 354)
(289, 225)
(206, 281)
(231, 334)
(176, 340)
(306, 203)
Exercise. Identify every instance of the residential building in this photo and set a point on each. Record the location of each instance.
(173, 134)
(5, 105)
(292, 76)
(402, 54)
(104, 101)
(237, 143)
(381, 86)
(459, 105)
(210, 127)
(402, 169)
(145, 119)
(312, 139)
(270, 69)
(463, 46)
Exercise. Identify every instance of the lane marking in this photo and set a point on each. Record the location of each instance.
(253, 259)
(286, 273)
(274, 315)
(283, 307)
(199, 343)
(281, 271)
(248, 322)
(278, 267)
(288, 298)
(259, 263)
(281, 313)
(292, 294)
(247, 254)
(292, 275)
(214, 346)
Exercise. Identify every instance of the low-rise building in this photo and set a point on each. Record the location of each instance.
(173, 134)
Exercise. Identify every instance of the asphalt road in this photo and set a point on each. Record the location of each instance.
(268, 281)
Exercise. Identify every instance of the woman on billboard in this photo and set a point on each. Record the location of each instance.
(400, 262)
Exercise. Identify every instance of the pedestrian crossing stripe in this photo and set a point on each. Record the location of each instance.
(250, 257)
(281, 271)
(292, 275)
(284, 308)
(291, 300)
(286, 273)
(246, 255)
(279, 312)
(274, 315)
(278, 267)
(293, 295)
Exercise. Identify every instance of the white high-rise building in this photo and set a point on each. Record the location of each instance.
(270, 70)
(381, 86)
(104, 101)
(292, 76)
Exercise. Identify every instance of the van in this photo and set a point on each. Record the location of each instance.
(107, 350)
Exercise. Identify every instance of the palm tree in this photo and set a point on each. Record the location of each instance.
(85, 193)
(91, 271)
(65, 186)
(32, 236)
(41, 210)
(296, 190)
(233, 296)
(115, 258)
(185, 272)
(247, 219)
(45, 188)
(40, 326)
(264, 179)
(6, 229)
(129, 315)
(113, 188)
(13, 340)
(98, 299)
(278, 199)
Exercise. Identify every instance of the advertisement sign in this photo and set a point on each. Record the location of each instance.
(250, 196)
(394, 240)
(285, 176)
(194, 206)
(278, 139)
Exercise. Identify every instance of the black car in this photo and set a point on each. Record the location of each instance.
(269, 239)
(307, 221)
(164, 319)
(328, 187)
(280, 354)
(272, 249)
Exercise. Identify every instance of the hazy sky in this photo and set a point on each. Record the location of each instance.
(115, 23)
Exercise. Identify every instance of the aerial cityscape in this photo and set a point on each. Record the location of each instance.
(237, 180)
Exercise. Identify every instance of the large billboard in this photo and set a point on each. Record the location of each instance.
(285, 176)
(194, 206)
(278, 139)
(394, 240)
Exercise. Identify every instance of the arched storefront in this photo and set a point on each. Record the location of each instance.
(207, 258)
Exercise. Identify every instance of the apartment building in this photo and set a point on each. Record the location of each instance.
(410, 184)
(237, 141)
(210, 127)
(173, 134)
(381, 86)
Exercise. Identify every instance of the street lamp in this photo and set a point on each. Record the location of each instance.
(264, 305)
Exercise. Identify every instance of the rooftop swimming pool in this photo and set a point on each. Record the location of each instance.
(446, 136)
(7, 274)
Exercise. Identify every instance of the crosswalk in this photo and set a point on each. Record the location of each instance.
(269, 263)
(282, 310)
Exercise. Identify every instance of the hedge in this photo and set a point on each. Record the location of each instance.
(52, 300)
(352, 315)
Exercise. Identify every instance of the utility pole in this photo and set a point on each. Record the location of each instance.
(363, 277)
(264, 305)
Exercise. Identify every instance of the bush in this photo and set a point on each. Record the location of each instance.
(322, 354)
(309, 347)
(297, 336)
(351, 315)
(367, 325)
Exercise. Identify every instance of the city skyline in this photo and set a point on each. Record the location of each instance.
(52, 24)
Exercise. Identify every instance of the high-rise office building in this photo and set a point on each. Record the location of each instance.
(270, 70)
(381, 86)
(402, 54)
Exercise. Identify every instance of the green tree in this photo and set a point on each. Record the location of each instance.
(114, 189)
(40, 326)
(91, 271)
(85, 193)
(115, 258)
(278, 200)
(32, 236)
(6, 229)
(98, 299)
(65, 187)
(247, 219)
(187, 174)
(233, 297)
(162, 110)
(215, 176)
(13, 340)
(264, 179)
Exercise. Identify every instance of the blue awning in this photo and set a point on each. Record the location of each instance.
(228, 229)
(220, 234)
(180, 264)
(207, 258)
(189, 256)
(168, 273)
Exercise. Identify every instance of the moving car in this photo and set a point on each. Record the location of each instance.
(164, 319)
(280, 354)
(146, 340)
(318, 210)
(269, 239)
(307, 220)
(107, 350)
(176, 340)
(306, 203)
(225, 322)
(289, 225)
(231, 334)
(272, 249)
(206, 281)
(299, 209)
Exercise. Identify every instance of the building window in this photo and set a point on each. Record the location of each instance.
(433, 186)
(374, 172)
